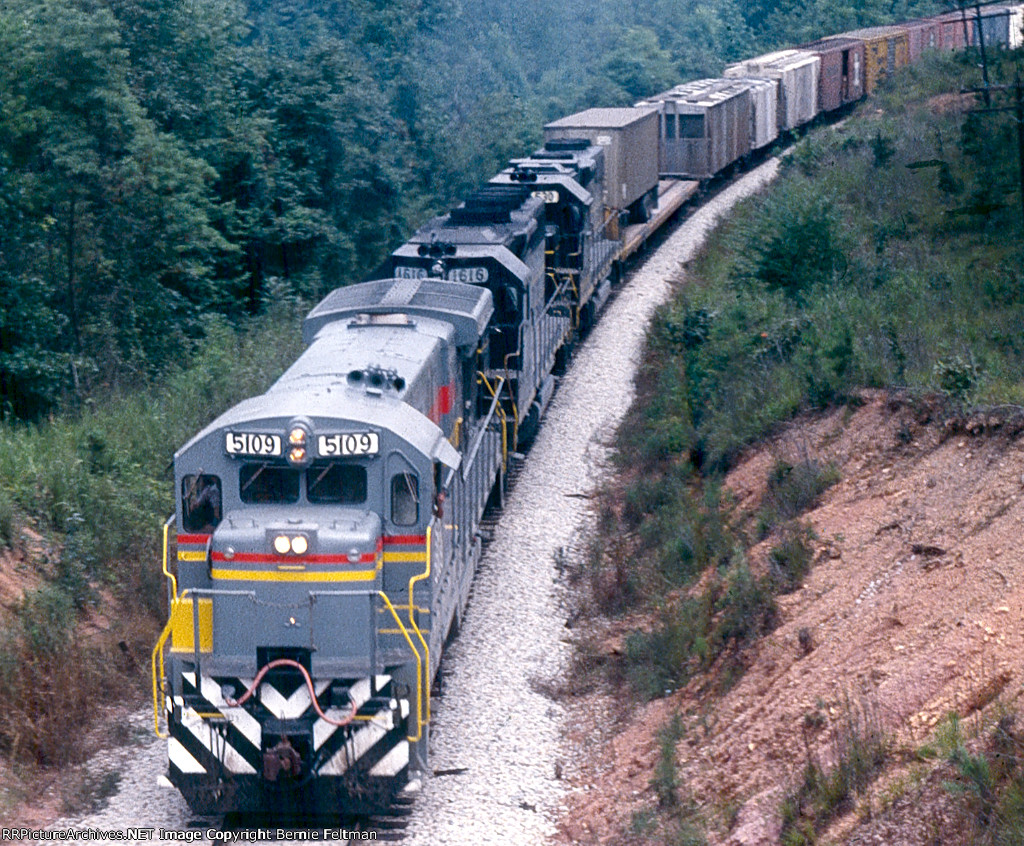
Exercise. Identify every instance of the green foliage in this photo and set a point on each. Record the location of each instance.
(746, 609)
(46, 616)
(165, 160)
(860, 749)
(790, 560)
(794, 488)
(665, 780)
(7, 518)
(797, 242)
(957, 377)
(637, 66)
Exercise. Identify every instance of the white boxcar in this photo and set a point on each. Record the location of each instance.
(764, 97)
(1016, 26)
(797, 74)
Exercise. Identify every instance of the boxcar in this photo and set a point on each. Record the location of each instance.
(995, 27)
(1016, 26)
(841, 77)
(796, 72)
(630, 139)
(886, 48)
(953, 30)
(922, 34)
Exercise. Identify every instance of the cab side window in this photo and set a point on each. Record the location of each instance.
(200, 503)
(405, 499)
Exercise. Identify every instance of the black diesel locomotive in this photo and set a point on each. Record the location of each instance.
(327, 532)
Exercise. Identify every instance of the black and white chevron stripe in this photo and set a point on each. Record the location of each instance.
(203, 744)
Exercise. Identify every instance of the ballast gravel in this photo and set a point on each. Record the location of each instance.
(496, 737)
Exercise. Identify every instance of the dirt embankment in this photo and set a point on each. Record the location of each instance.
(914, 608)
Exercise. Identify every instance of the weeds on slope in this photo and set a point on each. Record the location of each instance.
(888, 254)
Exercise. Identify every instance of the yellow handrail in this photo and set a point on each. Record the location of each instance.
(412, 621)
(159, 697)
(512, 400)
(419, 669)
(167, 572)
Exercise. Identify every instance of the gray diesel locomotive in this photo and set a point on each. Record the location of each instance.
(326, 547)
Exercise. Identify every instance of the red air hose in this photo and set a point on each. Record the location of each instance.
(288, 662)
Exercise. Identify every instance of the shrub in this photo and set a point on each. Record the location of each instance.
(790, 560)
(792, 489)
(860, 749)
(798, 242)
(746, 609)
(665, 780)
(661, 660)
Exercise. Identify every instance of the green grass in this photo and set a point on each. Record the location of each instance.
(860, 750)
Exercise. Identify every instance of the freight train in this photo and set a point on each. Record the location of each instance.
(327, 532)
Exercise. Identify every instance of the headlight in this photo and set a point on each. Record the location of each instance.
(282, 544)
(298, 437)
(299, 545)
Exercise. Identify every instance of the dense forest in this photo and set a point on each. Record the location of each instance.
(162, 161)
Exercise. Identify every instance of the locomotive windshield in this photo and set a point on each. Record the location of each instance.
(336, 484)
(263, 483)
(333, 483)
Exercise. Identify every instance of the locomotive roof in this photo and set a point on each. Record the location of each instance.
(466, 307)
(562, 177)
(521, 221)
(317, 385)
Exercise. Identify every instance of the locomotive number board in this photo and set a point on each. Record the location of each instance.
(354, 443)
(249, 443)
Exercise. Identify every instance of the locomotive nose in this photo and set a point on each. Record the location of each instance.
(249, 546)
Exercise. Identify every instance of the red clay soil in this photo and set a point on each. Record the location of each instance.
(914, 608)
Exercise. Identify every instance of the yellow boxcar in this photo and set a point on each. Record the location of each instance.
(886, 48)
